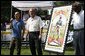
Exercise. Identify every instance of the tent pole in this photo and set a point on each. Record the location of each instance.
(11, 9)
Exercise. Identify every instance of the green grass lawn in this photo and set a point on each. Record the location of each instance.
(68, 51)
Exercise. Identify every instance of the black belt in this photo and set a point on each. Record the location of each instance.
(35, 32)
(78, 29)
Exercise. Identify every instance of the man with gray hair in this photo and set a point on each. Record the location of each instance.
(34, 29)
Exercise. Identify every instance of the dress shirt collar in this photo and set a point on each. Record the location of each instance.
(33, 18)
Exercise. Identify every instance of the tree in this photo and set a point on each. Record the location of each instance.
(5, 11)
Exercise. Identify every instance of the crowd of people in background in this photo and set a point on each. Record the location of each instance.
(3, 27)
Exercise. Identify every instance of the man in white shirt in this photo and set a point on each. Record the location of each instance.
(78, 25)
(34, 29)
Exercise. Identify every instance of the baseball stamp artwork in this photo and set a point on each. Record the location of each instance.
(58, 27)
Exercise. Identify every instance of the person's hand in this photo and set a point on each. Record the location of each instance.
(26, 37)
(11, 19)
(11, 23)
(57, 26)
(22, 38)
(40, 37)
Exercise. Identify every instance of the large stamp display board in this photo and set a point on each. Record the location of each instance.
(58, 29)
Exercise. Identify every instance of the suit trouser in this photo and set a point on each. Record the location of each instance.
(78, 40)
(15, 42)
(35, 43)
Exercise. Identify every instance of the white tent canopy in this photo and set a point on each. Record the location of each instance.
(26, 5)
